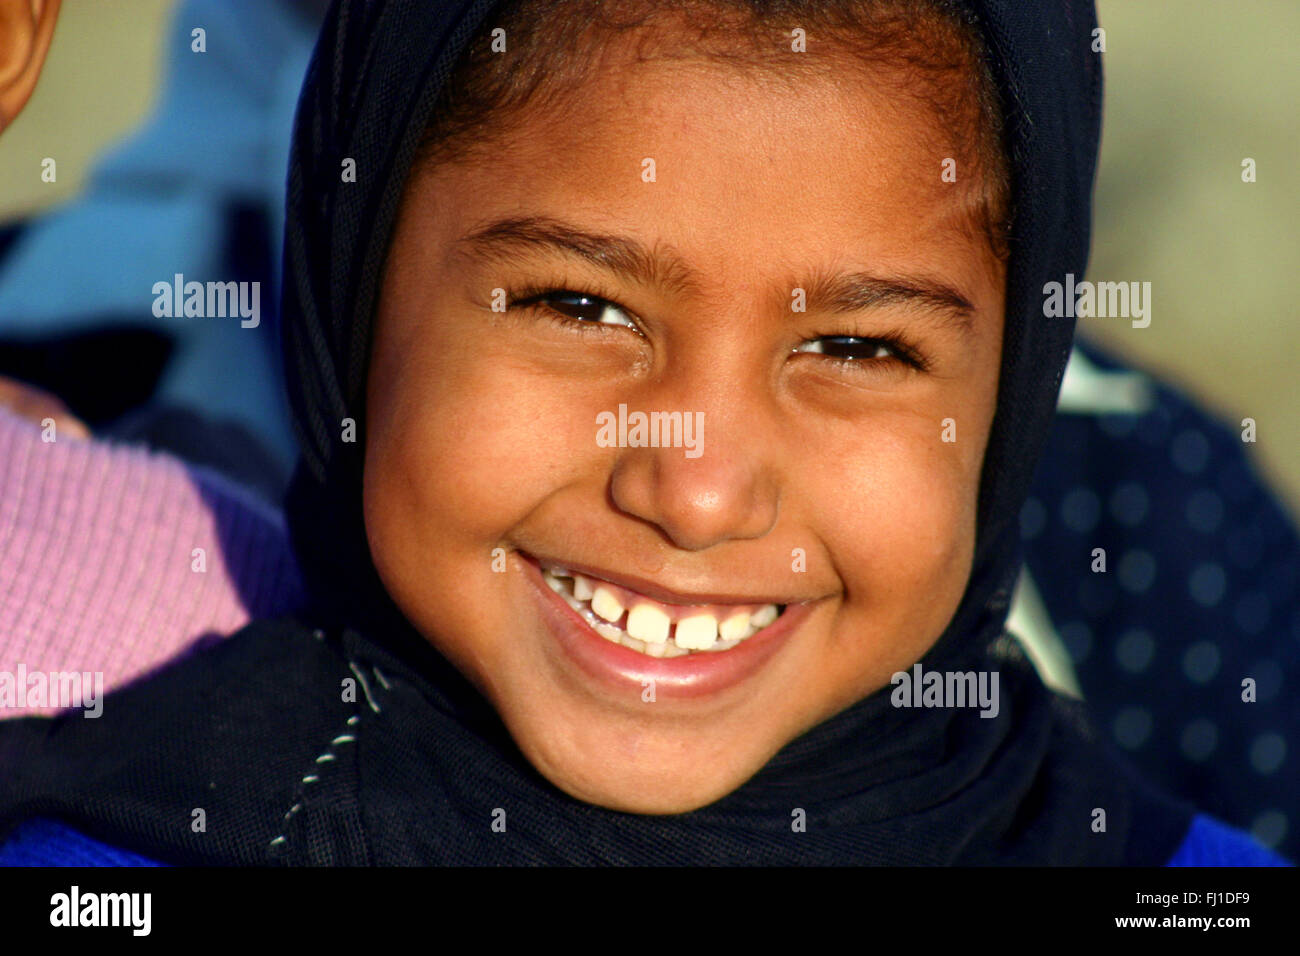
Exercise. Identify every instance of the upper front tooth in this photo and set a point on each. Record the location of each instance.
(735, 626)
(697, 633)
(647, 623)
(604, 603)
(582, 588)
(764, 616)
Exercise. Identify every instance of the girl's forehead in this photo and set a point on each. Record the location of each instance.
(726, 169)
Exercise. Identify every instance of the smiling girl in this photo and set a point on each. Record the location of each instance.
(817, 226)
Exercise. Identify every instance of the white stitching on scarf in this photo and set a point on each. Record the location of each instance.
(328, 756)
(365, 687)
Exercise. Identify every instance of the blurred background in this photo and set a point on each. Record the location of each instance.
(169, 161)
(168, 127)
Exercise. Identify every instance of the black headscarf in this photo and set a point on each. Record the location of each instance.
(429, 761)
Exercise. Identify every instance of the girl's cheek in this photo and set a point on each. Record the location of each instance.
(899, 520)
(475, 447)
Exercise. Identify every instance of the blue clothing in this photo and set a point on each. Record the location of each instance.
(43, 842)
(1211, 843)
(50, 843)
(1201, 592)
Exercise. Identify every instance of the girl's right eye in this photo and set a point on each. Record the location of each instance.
(578, 307)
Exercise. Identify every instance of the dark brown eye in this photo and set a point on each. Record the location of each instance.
(848, 348)
(582, 307)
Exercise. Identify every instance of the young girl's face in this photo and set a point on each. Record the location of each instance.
(781, 264)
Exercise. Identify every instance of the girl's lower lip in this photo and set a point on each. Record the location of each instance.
(626, 671)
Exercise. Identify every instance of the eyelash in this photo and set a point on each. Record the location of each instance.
(894, 340)
(531, 299)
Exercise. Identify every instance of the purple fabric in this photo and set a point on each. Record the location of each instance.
(114, 559)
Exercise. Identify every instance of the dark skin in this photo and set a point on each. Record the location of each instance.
(480, 429)
(26, 28)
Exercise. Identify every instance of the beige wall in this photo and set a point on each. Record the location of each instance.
(1193, 86)
(99, 83)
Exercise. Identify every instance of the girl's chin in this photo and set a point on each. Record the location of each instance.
(616, 780)
(619, 757)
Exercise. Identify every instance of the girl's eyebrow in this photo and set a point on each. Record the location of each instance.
(623, 256)
(855, 291)
(662, 267)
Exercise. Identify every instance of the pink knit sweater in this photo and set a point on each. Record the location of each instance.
(115, 559)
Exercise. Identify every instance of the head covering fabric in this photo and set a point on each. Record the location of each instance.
(430, 761)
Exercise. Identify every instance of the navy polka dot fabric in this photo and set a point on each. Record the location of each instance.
(1198, 606)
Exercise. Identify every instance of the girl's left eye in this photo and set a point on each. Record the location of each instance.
(854, 349)
(578, 307)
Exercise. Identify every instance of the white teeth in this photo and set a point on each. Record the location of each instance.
(647, 628)
(647, 623)
(696, 633)
(604, 603)
(734, 627)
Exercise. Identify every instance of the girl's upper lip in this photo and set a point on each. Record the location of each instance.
(656, 592)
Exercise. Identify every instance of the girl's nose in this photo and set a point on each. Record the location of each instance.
(724, 489)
